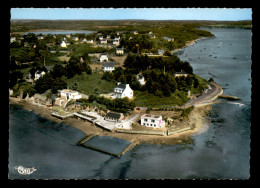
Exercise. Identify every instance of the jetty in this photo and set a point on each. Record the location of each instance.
(62, 116)
(228, 97)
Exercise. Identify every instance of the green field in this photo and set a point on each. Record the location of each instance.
(91, 84)
(146, 99)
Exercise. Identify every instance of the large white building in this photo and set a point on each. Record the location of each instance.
(123, 90)
(65, 96)
(153, 121)
(68, 94)
(103, 57)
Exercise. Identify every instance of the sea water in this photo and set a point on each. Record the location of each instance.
(221, 151)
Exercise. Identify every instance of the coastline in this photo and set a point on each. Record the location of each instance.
(196, 119)
(189, 43)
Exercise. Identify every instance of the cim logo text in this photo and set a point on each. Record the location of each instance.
(24, 171)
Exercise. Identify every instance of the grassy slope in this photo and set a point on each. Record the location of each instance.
(88, 83)
(146, 99)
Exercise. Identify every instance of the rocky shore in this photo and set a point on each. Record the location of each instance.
(196, 120)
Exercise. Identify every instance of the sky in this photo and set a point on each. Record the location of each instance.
(220, 14)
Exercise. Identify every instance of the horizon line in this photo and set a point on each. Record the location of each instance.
(119, 20)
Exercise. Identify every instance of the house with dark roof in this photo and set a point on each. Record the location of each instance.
(114, 116)
(119, 51)
(123, 90)
(108, 66)
(116, 41)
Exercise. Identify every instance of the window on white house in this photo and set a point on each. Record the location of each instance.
(153, 120)
(143, 123)
(145, 120)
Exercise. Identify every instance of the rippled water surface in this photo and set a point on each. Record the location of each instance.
(220, 152)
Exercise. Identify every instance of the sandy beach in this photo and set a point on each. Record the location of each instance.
(196, 119)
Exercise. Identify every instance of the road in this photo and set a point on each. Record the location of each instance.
(206, 97)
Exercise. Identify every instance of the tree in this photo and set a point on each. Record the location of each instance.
(59, 83)
(58, 71)
(44, 83)
(108, 76)
(167, 53)
(14, 77)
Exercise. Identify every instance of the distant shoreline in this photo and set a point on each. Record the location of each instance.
(197, 118)
(39, 30)
(189, 43)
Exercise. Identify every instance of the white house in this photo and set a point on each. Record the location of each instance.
(150, 32)
(154, 121)
(160, 51)
(65, 96)
(140, 79)
(40, 37)
(135, 32)
(168, 38)
(100, 37)
(116, 42)
(76, 38)
(182, 73)
(108, 36)
(103, 57)
(152, 36)
(108, 66)
(84, 40)
(12, 39)
(123, 90)
(63, 44)
(69, 94)
(38, 74)
(90, 41)
(103, 41)
(119, 51)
